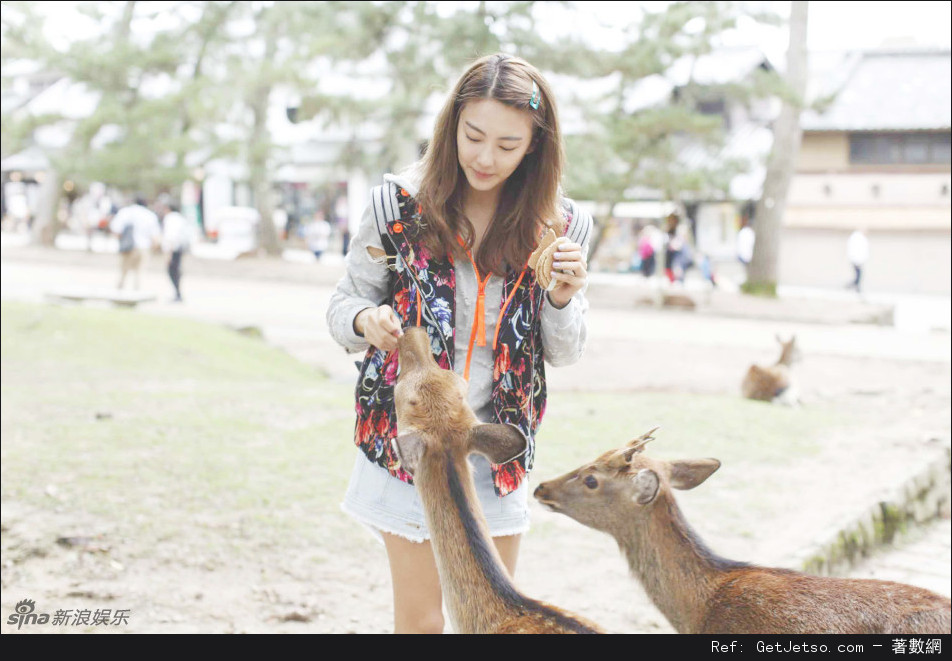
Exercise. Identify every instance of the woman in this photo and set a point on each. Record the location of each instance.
(446, 247)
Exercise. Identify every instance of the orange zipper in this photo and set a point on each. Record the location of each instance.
(479, 316)
(479, 319)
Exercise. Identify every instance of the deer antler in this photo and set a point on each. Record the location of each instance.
(638, 444)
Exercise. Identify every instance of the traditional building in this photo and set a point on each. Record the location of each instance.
(714, 216)
(878, 159)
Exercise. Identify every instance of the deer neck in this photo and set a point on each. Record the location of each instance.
(786, 358)
(476, 586)
(677, 570)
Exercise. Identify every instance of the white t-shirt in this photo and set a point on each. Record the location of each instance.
(318, 234)
(857, 248)
(745, 243)
(176, 232)
(145, 225)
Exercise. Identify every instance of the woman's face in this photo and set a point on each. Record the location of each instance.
(491, 140)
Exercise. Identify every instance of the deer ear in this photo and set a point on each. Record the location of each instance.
(646, 486)
(410, 447)
(689, 473)
(497, 442)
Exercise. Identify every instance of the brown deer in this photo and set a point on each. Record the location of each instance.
(438, 431)
(628, 495)
(774, 383)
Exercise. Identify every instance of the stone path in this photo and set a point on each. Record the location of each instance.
(924, 558)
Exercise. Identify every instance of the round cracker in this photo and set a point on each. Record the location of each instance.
(543, 270)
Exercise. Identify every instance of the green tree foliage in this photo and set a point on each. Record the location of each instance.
(195, 82)
(273, 45)
(146, 81)
(644, 147)
(423, 49)
(399, 49)
(128, 133)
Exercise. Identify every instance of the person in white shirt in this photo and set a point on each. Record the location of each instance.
(857, 251)
(138, 230)
(176, 237)
(318, 235)
(745, 244)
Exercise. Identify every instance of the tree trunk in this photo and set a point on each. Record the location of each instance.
(46, 225)
(763, 272)
(259, 151)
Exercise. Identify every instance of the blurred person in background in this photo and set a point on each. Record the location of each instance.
(857, 251)
(342, 221)
(280, 217)
(138, 230)
(176, 239)
(94, 212)
(318, 234)
(646, 251)
(672, 247)
(685, 257)
(745, 245)
(707, 269)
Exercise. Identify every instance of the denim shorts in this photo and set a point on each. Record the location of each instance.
(385, 503)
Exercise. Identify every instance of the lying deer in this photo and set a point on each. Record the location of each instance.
(775, 382)
(628, 495)
(438, 431)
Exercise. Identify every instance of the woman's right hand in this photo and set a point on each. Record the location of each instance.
(380, 326)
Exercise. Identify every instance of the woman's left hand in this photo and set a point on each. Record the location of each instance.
(568, 272)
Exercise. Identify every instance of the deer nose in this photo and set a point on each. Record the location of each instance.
(539, 491)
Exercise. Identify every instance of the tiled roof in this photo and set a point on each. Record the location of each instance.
(726, 65)
(889, 91)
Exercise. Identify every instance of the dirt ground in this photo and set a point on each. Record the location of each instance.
(899, 406)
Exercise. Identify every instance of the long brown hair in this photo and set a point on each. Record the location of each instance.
(530, 197)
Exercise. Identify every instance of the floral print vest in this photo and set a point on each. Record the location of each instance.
(518, 390)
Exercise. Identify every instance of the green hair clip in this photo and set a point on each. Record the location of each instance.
(534, 100)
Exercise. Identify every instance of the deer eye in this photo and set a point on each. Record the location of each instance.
(590, 481)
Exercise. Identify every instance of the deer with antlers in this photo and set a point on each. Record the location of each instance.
(438, 431)
(629, 496)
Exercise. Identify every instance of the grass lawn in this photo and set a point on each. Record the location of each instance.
(156, 424)
(152, 426)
